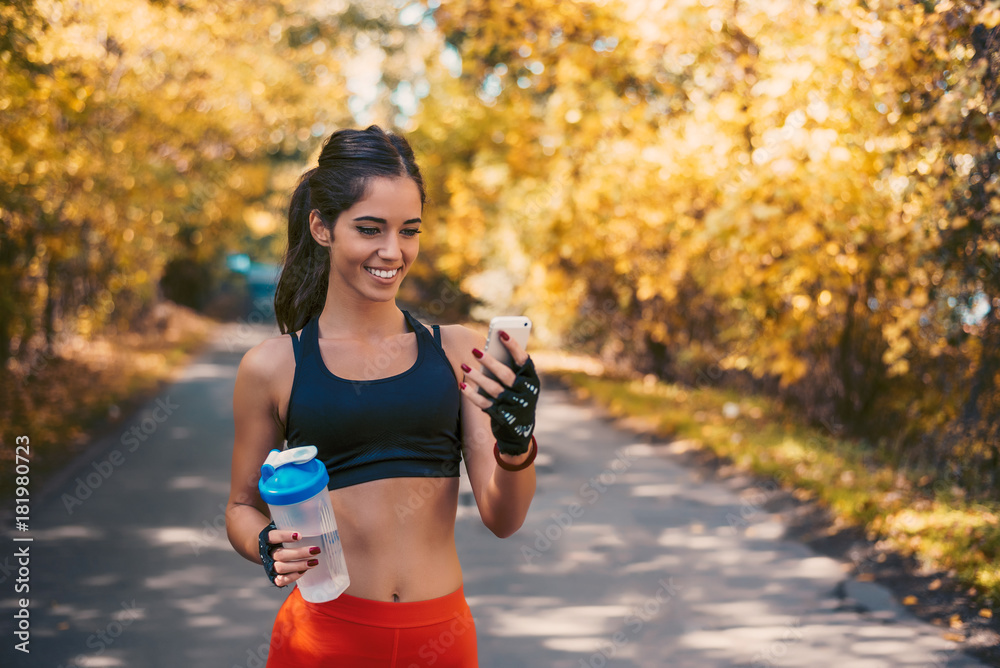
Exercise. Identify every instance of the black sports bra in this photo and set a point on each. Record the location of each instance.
(407, 425)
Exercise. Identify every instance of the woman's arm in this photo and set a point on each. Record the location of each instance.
(503, 497)
(257, 432)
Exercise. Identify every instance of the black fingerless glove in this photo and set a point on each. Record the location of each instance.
(513, 412)
(267, 553)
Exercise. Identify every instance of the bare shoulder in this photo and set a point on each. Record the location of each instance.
(458, 342)
(267, 360)
(460, 337)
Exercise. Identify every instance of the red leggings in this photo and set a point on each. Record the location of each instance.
(351, 632)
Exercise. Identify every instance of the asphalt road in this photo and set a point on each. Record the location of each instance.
(626, 558)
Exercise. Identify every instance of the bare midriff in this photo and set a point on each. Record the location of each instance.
(398, 536)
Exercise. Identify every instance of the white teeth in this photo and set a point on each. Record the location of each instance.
(381, 273)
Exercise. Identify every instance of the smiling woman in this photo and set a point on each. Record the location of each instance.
(383, 248)
(359, 172)
(379, 395)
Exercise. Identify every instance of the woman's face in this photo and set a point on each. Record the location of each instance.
(375, 241)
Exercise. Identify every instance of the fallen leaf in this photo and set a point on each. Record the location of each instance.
(865, 577)
(987, 613)
(954, 637)
(934, 586)
(955, 622)
(910, 600)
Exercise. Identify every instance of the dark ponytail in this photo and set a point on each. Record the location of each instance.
(348, 161)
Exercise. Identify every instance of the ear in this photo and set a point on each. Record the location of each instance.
(318, 229)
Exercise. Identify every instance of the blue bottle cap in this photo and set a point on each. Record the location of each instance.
(291, 476)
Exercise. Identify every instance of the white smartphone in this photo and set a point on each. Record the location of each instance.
(518, 327)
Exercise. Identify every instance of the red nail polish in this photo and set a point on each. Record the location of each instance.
(295, 536)
(463, 386)
(312, 562)
(477, 352)
(313, 550)
(466, 368)
(504, 336)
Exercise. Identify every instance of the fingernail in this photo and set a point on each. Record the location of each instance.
(463, 386)
(313, 550)
(477, 352)
(466, 368)
(504, 335)
(295, 536)
(312, 562)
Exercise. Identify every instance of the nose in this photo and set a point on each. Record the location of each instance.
(389, 251)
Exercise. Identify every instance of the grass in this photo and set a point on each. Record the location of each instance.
(87, 389)
(903, 508)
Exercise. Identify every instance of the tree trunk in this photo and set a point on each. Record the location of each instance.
(10, 301)
(50, 284)
(844, 403)
(985, 375)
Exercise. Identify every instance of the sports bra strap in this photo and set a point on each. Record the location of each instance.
(296, 346)
(420, 329)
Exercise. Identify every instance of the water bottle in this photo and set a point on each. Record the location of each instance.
(293, 484)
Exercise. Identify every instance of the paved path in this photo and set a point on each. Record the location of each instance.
(626, 559)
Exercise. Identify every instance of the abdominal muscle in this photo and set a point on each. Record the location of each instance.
(398, 536)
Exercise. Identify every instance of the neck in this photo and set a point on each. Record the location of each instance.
(346, 318)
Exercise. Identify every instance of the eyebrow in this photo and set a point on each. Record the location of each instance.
(383, 221)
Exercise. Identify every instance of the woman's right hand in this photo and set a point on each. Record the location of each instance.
(291, 563)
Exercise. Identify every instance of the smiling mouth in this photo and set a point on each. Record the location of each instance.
(382, 273)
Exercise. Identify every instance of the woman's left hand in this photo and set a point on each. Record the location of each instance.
(514, 396)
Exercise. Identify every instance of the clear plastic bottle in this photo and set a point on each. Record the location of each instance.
(293, 484)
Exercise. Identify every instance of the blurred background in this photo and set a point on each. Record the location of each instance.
(795, 199)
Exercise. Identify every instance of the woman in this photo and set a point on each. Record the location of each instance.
(392, 407)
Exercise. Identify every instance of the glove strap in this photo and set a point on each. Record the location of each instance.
(516, 467)
(267, 553)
